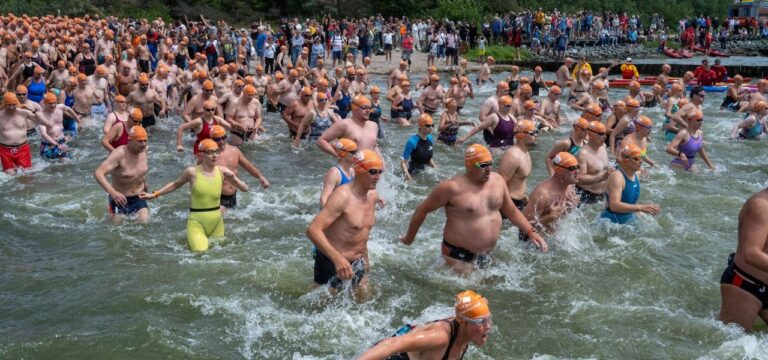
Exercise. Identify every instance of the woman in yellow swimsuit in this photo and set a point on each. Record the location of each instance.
(205, 180)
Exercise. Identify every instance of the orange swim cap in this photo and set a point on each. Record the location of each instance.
(202, 74)
(250, 90)
(10, 99)
(596, 127)
(434, 77)
(206, 145)
(39, 70)
(432, 69)
(529, 105)
(344, 146)
(81, 77)
(21, 89)
(137, 133)
(425, 119)
(631, 150)
(525, 88)
(306, 91)
(564, 160)
(137, 115)
(375, 90)
(279, 75)
(555, 89)
(50, 98)
(476, 154)
(239, 82)
(620, 104)
(217, 131)
(594, 109)
(644, 121)
(633, 103)
(144, 79)
(581, 123)
(361, 100)
(366, 160)
(208, 85)
(695, 115)
(634, 85)
(471, 306)
(454, 80)
(505, 100)
(523, 127)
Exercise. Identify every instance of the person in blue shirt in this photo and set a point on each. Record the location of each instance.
(623, 189)
(418, 149)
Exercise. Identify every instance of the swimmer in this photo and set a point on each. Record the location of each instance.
(594, 165)
(689, 142)
(341, 229)
(672, 105)
(127, 167)
(195, 106)
(743, 283)
(753, 125)
(446, 338)
(418, 149)
(53, 143)
(14, 148)
(397, 74)
(401, 109)
(734, 95)
(356, 128)
(641, 137)
(343, 172)
(148, 101)
(623, 189)
(555, 197)
(473, 202)
(624, 125)
(245, 116)
(316, 120)
(118, 134)
(572, 145)
(485, 71)
(516, 164)
(550, 107)
(450, 123)
(206, 182)
(432, 96)
(563, 74)
(232, 158)
(498, 128)
(201, 126)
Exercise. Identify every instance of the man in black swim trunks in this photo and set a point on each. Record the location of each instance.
(232, 158)
(743, 283)
(440, 339)
(341, 229)
(472, 203)
(127, 166)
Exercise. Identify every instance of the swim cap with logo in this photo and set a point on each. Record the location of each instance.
(366, 160)
(10, 99)
(594, 109)
(425, 119)
(50, 98)
(208, 85)
(523, 127)
(217, 131)
(207, 144)
(476, 154)
(137, 133)
(564, 160)
(596, 127)
(344, 146)
(470, 305)
(361, 100)
(250, 90)
(631, 150)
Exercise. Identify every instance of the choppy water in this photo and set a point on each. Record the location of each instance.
(73, 287)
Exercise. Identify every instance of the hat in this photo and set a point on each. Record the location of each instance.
(471, 306)
(217, 131)
(137, 115)
(10, 99)
(361, 100)
(529, 105)
(366, 160)
(631, 150)
(207, 144)
(524, 126)
(343, 145)
(137, 133)
(250, 90)
(208, 85)
(597, 127)
(425, 119)
(144, 79)
(505, 100)
(475, 154)
(564, 160)
(643, 121)
(629, 59)
(633, 103)
(581, 123)
(50, 98)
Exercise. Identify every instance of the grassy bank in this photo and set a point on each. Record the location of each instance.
(505, 54)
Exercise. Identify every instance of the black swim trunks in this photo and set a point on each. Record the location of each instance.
(293, 134)
(244, 136)
(588, 197)
(520, 204)
(737, 277)
(228, 201)
(429, 110)
(132, 206)
(455, 252)
(325, 271)
(148, 121)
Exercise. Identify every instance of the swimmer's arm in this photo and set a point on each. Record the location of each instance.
(44, 135)
(613, 189)
(110, 136)
(487, 123)
(71, 113)
(668, 109)
(333, 132)
(704, 156)
(672, 146)
(620, 126)
(404, 167)
(579, 105)
(159, 101)
(184, 127)
(106, 167)
(585, 179)
(185, 177)
(308, 118)
(36, 116)
(752, 233)
(412, 342)
(560, 145)
(330, 181)
(240, 184)
(437, 199)
(739, 125)
(443, 121)
(332, 211)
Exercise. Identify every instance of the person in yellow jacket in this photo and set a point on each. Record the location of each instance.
(205, 180)
(629, 70)
(583, 64)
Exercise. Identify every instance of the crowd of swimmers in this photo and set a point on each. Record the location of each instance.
(59, 81)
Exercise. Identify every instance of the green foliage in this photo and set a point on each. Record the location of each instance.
(502, 54)
(466, 10)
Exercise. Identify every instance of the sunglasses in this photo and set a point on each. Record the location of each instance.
(570, 168)
(478, 321)
(533, 133)
(597, 132)
(210, 110)
(643, 126)
(21, 94)
(484, 165)
(219, 139)
(212, 152)
(375, 172)
(428, 126)
(636, 158)
(208, 90)
(364, 108)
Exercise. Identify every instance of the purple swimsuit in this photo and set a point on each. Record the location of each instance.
(690, 148)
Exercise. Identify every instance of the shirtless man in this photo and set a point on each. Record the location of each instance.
(53, 143)
(550, 106)
(105, 46)
(295, 113)
(755, 97)
(515, 166)
(194, 107)
(161, 83)
(563, 74)
(461, 90)
(485, 71)
(98, 81)
(663, 78)
(287, 88)
(595, 165)
(743, 281)
(125, 81)
(85, 96)
(432, 97)
(554, 197)
(573, 144)
(341, 229)
(397, 74)
(260, 81)
(318, 72)
(357, 128)
(25, 103)
(246, 117)
(147, 100)
(222, 84)
(58, 78)
(127, 166)
(359, 86)
(232, 158)
(473, 202)
(227, 102)
(14, 149)
(491, 105)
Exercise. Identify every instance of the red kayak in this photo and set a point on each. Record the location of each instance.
(672, 53)
(747, 80)
(712, 52)
(686, 54)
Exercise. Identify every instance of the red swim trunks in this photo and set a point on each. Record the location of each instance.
(15, 156)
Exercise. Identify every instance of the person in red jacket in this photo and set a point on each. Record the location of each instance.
(705, 75)
(721, 72)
